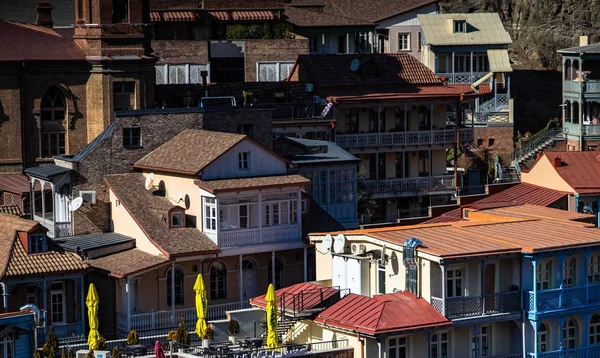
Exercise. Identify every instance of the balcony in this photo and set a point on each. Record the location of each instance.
(463, 77)
(562, 298)
(56, 230)
(476, 306)
(303, 111)
(65, 333)
(588, 86)
(580, 352)
(572, 129)
(441, 136)
(258, 236)
(433, 183)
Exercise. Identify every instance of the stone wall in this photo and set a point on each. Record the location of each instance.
(180, 51)
(271, 50)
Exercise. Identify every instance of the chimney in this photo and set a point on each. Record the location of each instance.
(557, 162)
(584, 40)
(44, 14)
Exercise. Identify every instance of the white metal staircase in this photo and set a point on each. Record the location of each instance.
(528, 150)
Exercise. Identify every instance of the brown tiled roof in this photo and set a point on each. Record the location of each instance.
(128, 262)
(391, 69)
(189, 151)
(219, 186)
(376, 10)
(322, 17)
(11, 210)
(150, 211)
(16, 262)
(581, 170)
(26, 42)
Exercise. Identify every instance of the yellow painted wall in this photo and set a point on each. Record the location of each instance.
(544, 174)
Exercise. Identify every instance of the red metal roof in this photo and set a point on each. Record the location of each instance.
(290, 292)
(14, 183)
(581, 170)
(450, 216)
(252, 15)
(25, 42)
(483, 89)
(389, 313)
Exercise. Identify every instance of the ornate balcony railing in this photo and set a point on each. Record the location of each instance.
(436, 136)
(441, 182)
(257, 236)
(580, 352)
(562, 298)
(474, 306)
(65, 333)
(303, 111)
(463, 77)
(588, 86)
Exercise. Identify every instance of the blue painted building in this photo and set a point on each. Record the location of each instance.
(16, 333)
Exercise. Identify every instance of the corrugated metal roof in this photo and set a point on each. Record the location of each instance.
(499, 61)
(46, 172)
(293, 290)
(581, 170)
(334, 152)
(92, 241)
(482, 29)
(593, 48)
(389, 313)
(14, 183)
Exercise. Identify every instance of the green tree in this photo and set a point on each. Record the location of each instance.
(183, 335)
(51, 342)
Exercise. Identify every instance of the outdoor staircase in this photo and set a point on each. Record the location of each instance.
(529, 150)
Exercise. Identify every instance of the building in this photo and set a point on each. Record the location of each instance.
(471, 50)
(390, 112)
(514, 281)
(581, 99)
(18, 334)
(62, 85)
(35, 270)
(332, 174)
(573, 173)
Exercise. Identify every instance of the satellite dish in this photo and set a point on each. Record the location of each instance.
(149, 181)
(354, 65)
(75, 204)
(326, 244)
(339, 244)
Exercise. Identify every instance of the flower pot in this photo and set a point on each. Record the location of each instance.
(233, 339)
(205, 343)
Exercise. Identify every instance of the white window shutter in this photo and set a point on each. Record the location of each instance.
(284, 70)
(160, 75)
(172, 75)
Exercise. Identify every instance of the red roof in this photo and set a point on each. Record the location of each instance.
(581, 170)
(483, 89)
(309, 291)
(376, 93)
(389, 313)
(25, 42)
(14, 183)
(373, 69)
(450, 216)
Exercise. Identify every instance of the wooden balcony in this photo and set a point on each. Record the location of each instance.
(437, 136)
(257, 236)
(463, 77)
(589, 86)
(431, 183)
(561, 298)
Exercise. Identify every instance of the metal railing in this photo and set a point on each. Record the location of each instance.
(300, 111)
(561, 298)
(436, 136)
(310, 301)
(463, 77)
(529, 148)
(397, 185)
(580, 352)
(474, 306)
(588, 86)
(262, 235)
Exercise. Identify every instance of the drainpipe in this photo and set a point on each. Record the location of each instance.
(4, 296)
(362, 345)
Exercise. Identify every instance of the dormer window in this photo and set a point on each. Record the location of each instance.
(460, 26)
(177, 219)
(37, 243)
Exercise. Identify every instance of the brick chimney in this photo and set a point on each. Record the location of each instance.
(44, 14)
(557, 162)
(584, 40)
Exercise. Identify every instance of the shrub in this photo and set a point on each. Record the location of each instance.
(172, 336)
(132, 337)
(63, 353)
(233, 327)
(210, 333)
(182, 336)
(116, 353)
(36, 354)
(51, 342)
(101, 343)
(52, 353)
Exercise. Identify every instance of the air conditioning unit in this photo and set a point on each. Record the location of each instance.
(358, 249)
(88, 196)
(97, 354)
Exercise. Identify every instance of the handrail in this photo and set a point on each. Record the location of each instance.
(531, 146)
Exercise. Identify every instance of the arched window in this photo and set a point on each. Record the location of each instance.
(543, 340)
(53, 105)
(178, 286)
(218, 280)
(52, 141)
(595, 329)
(278, 281)
(570, 334)
(246, 265)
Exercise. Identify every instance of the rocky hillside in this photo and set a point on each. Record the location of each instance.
(538, 27)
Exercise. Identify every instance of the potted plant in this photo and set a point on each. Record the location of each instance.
(132, 338)
(182, 336)
(234, 328)
(208, 336)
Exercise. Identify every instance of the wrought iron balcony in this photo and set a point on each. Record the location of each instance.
(463, 77)
(436, 136)
(579, 352)
(303, 111)
(475, 306)
(561, 298)
(432, 183)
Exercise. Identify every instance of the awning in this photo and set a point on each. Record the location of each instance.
(178, 16)
(154, 16)
(252, 15)
(219, 15)
(481, 80)
(499, 61)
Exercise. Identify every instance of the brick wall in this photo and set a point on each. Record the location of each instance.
(261, 120)
(271, 50)
(501, 135)
(179, 51)
(10, 120)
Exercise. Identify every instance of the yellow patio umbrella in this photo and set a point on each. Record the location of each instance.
(271, 300)
(92, 302)
(201, 306)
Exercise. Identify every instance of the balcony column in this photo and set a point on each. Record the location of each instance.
(305, 263)
(580, 114)
(241, 279)
(452, 78)
(534, 263)
(583, 276)
(379, 123)
(444, 289)
(273, 268)
(471, 68)
(377, 171)
(482, 265)
(43, 186)
(561, 332)
(560, 271)
(173, 320)
(405, 121)
(45, 293)
(431, 106)
(585, 340)
(475, 341)
(82, 303)
(128, 292)
(536, 327)
(32, 198)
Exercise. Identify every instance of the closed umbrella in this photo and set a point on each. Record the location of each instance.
(201, 306)
(271, 317)
(159, 352)
(92, 302)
